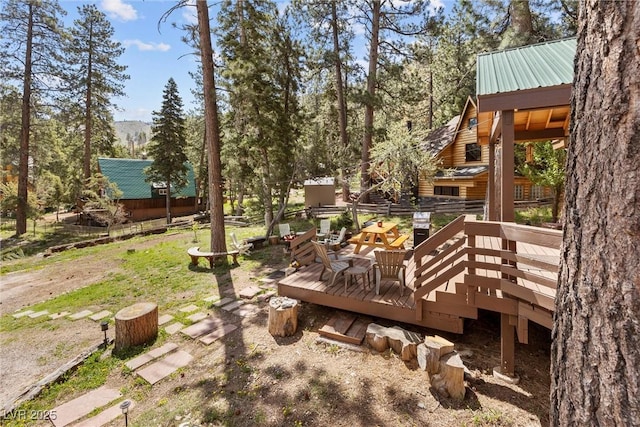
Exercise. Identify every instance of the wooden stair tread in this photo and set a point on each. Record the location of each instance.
(345, 327)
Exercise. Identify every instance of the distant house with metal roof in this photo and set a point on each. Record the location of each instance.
(464, 162)
(141, 199)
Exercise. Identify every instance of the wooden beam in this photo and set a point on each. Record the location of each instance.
(491, 184)
(507, 167)
(545, 97)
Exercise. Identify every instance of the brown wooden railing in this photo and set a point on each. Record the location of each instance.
(508, 268)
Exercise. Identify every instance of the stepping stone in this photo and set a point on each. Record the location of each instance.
(203, 327)
(212, 298)
(55, 316)
(81, 314)
(218, 333)
(38, 314)
(250, 292)
(79, 407)
(247, 310)
(165, 318)
(235, 304)
(189, 308)
(173, 328)
(105, 416)
(100, 315)
(143, 359)
(165, 367)
(223, 301)
(22, 314)
(196, 317)
(267, 295)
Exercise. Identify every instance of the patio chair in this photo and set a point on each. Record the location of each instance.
(244, 248)
(285, 230)
(336, 266)
(335, 240)
(325, 228)
(390, 265)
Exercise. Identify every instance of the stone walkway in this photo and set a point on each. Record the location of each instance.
(161, 362)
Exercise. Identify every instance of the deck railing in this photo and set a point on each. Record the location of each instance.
(506, 267)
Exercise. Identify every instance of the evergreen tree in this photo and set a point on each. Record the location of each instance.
(94, 77)
(31, 35)
(167, 145)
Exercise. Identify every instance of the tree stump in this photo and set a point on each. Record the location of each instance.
(431, 351)
(135, 325)
(283, 316)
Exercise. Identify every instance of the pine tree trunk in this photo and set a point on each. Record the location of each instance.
(596, 347)
(216, 201)
(23, 168)
(371, 93)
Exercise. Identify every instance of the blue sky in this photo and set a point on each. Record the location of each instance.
(151, 56)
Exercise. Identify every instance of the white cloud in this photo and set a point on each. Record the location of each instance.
(189, 12)
(435, 5)
(146, 47)
(120, 10)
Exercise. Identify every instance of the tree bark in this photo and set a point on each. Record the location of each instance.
(25, 128)
(86, 164)
(596, 335)
(342, 104)
(371, 94)
(216, 201)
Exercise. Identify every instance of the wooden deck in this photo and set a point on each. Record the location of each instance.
(469, 266)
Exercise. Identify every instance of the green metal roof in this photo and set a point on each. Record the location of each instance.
(129, 175)
(527, 67)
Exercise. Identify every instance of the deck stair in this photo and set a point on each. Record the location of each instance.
(345, 327)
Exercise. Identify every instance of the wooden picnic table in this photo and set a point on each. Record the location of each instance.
(384, 236)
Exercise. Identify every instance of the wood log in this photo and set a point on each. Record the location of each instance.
(376, 337)
(136, 325)
(452, 374)
(435, 347)
(404, 342)
(283, 316)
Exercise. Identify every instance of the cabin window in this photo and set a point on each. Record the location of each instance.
(473, 152)
(473, 121)
(441, 190)
(162, 191)
(536, 192)
(518, 192)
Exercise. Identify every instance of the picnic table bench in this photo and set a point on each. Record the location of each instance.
(195, 253)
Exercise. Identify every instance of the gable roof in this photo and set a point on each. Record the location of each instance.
(129, 175)
(441, 137)
(527, 67)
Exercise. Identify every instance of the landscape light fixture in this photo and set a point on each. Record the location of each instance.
(104, 326)
(125, 410)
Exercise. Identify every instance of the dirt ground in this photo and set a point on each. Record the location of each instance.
(251, 378)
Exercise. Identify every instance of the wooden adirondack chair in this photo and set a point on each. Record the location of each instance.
(390, 265)
(244, 248)
(325, 228)
(336, 266)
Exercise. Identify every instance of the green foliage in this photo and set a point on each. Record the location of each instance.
(399, 161)
(102, 197)
(344, 220)
(9, 201)
(167, 142)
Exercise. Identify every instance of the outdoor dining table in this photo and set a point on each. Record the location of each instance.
(381, 236)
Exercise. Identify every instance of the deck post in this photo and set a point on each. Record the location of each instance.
(506, 371)
(507, 167)
(491, 183)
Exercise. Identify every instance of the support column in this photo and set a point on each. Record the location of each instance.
(507, 168)
(491, 183)
(506, 371)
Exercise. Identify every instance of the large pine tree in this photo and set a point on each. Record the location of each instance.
(94, 77)
(167, 145)
(29, 51)
(596, 336)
